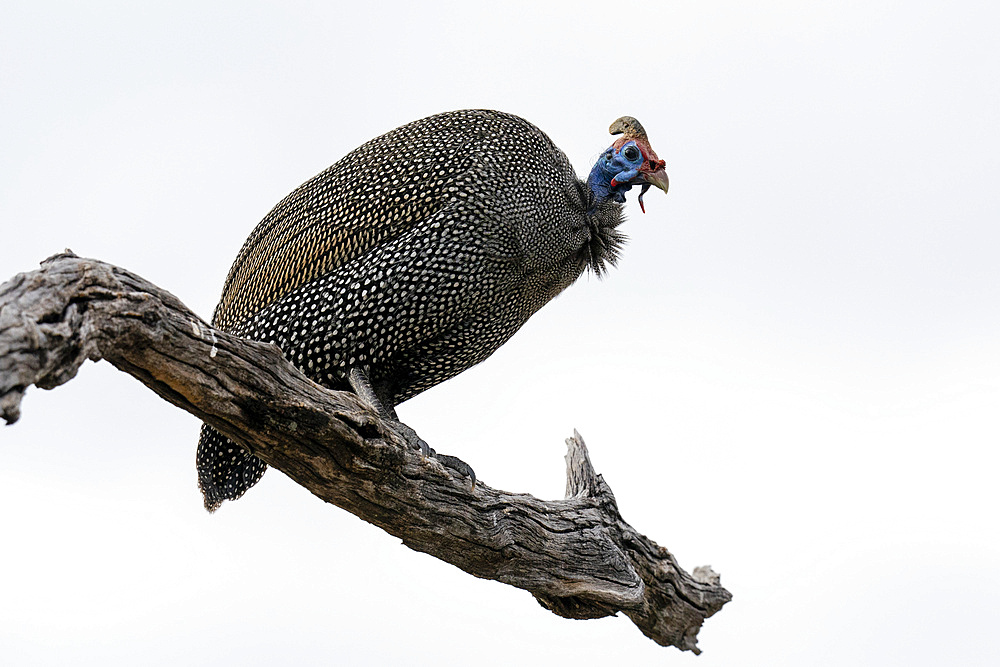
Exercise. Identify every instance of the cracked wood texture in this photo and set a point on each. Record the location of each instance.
(577, 556)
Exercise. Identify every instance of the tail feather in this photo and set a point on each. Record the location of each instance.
(225, 470)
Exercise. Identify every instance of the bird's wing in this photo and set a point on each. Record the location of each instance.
(376, 194)
(372, 196)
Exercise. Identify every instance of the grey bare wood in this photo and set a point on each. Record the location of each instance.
(577, 556)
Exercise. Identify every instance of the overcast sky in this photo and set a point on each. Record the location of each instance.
(793, 375)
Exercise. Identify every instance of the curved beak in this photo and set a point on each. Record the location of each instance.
(657, 177)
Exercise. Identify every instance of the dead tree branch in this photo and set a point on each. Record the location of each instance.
(577, 556)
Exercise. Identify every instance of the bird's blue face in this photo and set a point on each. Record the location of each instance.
(624, 164)
(615, 169)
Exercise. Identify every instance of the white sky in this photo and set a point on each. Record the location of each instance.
(794, 374)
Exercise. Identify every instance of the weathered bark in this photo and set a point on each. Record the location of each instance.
(577, 556)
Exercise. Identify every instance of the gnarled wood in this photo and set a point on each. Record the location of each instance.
(577, 556)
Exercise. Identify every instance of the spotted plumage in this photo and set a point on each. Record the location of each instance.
(411, 259)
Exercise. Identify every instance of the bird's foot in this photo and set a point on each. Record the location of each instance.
(458, 465)
(416, 442)
(411, 437)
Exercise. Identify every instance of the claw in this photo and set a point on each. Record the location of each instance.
(413, 439)
(459, 466)
(453, 462)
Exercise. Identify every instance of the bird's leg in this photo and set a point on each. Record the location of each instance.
(362, 386)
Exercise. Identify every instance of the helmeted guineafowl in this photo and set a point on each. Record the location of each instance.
(417, 255)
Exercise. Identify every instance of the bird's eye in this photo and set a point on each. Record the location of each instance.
(631, 153)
